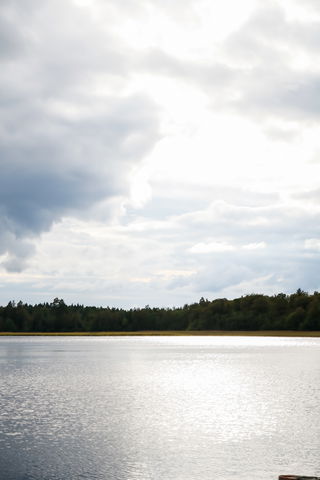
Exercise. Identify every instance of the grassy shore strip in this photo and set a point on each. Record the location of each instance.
(173, 333)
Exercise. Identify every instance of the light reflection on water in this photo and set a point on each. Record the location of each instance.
(159, 408)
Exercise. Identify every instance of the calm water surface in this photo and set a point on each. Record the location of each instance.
(159, 408)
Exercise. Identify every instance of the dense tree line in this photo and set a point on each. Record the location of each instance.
(299, 311)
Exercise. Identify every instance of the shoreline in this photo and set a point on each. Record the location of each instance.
(168, 333)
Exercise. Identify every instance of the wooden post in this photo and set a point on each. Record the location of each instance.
(297, 477)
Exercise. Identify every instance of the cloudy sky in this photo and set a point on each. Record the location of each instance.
(156, 151)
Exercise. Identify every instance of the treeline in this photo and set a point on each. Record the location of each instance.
(299, 311)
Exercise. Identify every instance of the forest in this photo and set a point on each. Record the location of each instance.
(298, 311)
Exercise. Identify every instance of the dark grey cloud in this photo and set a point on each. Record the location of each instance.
(64, 146)
(10, 44)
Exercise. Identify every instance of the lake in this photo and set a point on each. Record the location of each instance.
(160, 408)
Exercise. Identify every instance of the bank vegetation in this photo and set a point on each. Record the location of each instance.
(299, 311)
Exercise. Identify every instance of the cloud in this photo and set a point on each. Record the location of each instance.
(66, 143)
(270, 248)
(209, 75)
(265, 69)
(147, 261)
(215, 247)
(10, 44)
(312, 244)
(221, 208)
(273, 59)
(211, 247)
(254, 246)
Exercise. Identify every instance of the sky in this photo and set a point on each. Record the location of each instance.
(153, 151)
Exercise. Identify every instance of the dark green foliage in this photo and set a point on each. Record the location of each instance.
(299, 311)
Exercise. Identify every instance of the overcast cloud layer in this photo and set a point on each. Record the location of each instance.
(154, 152)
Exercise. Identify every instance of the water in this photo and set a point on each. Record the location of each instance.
(160, 408)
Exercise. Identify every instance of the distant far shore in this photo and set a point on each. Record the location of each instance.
(170, 333)
(253, 314)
